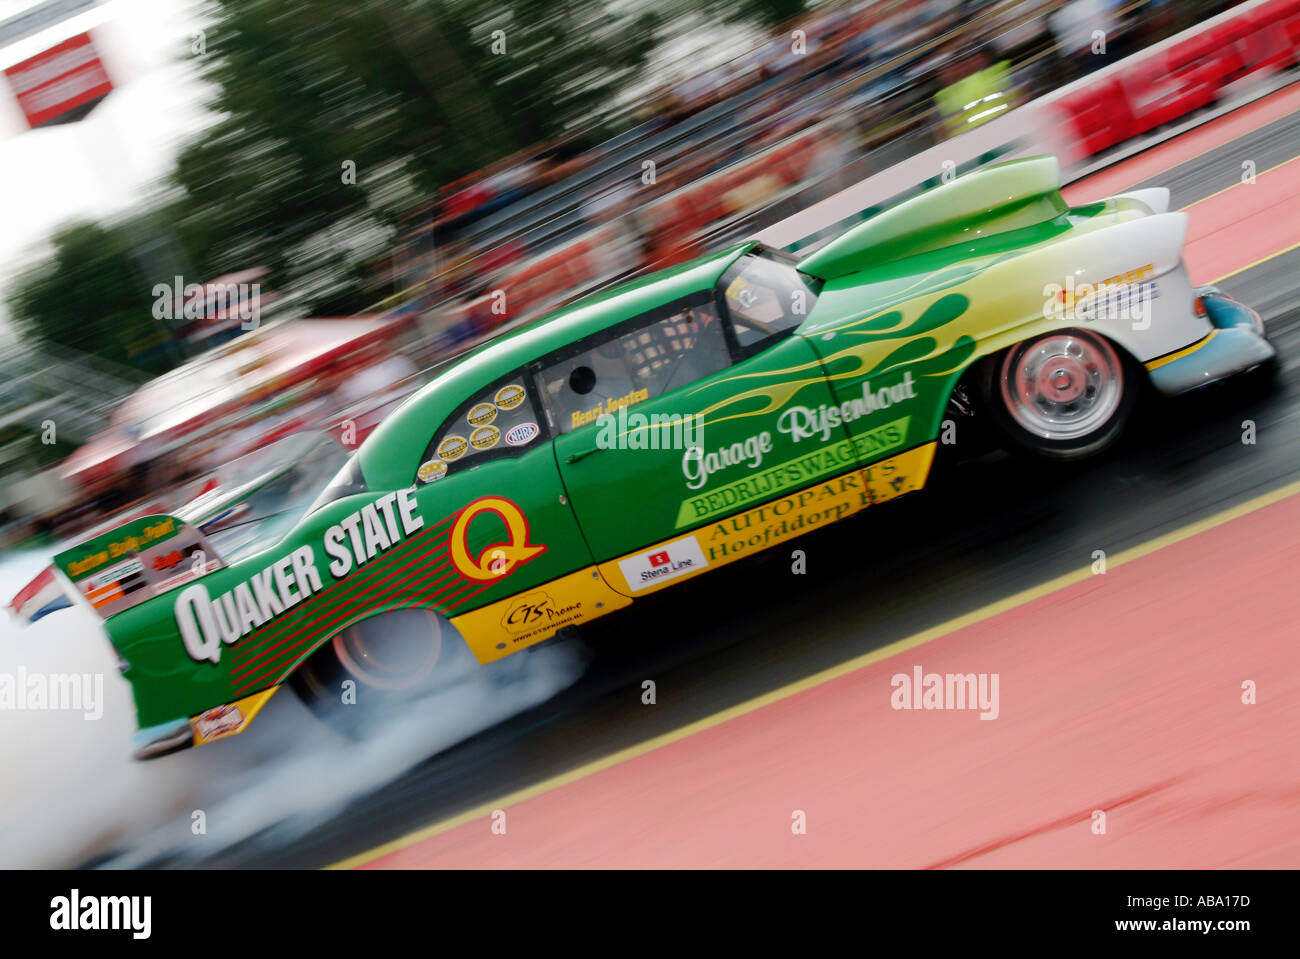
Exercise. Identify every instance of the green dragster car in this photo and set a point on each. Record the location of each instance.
(641, 438)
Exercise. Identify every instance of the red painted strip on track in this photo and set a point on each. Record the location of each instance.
(1209, 136)
(1122, 693)
(1232, 230)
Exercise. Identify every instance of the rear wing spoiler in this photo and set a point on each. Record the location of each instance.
(121, 568)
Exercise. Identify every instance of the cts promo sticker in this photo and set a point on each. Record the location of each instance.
(484, 438)
(432, 470)
(452, 448)
(522, 435)
(508, 397)
(481, 414)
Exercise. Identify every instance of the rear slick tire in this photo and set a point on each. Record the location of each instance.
(366, 673)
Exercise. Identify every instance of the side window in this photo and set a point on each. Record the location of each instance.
(496, 423)
(634, 362)
(766, 297)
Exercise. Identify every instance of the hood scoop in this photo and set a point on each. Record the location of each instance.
(996, 199)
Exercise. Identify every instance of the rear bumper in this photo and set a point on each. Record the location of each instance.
(1235, 344)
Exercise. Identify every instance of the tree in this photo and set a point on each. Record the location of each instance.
(768, 13)
(406, 96)
(94, 295)
(414, 93)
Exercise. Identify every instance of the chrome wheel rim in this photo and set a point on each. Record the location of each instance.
(1062, 386)
(376, 653)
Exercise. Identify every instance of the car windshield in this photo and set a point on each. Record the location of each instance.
(256, 511)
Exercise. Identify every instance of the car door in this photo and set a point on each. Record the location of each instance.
(876, 390)
(489, 479)
(677, 420)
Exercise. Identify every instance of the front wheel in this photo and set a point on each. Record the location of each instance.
(1063, 395)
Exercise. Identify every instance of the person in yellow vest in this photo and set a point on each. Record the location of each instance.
(977, 90)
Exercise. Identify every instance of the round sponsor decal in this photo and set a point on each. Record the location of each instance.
(452, 448)
(481, 414)
(432, 470)
(522, 434)
(508, 397)
(485, 437)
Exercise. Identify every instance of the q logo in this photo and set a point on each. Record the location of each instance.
(498, 559)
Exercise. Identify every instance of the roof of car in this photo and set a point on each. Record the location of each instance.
(390, 455)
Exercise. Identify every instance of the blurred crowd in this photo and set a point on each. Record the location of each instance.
(879, 71)
(706, 157)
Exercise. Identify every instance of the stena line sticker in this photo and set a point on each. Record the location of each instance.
(663, 563)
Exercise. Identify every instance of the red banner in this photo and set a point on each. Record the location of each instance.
(62, 78)
(1155, 87)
